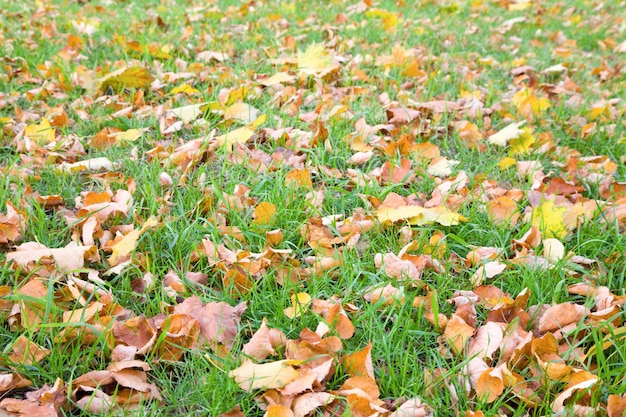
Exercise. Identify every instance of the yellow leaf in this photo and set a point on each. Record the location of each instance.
(131, 77)
(264, 212)
(506, 163)
(522, 143)
(390, 19)
(230, 139)
(185, 88)
(278, 78)
(130, 135)
(191, 112)
(125, 246)
(251, 376)
(417, 215)
(41, 133)
(549, 219)
(299, 302)
(315, 60)
(529, 104)
(242, 112)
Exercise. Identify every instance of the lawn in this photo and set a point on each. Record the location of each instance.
(325, 208)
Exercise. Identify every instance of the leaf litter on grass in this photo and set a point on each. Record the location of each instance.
(109, 131)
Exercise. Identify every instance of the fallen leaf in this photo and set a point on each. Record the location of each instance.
(512, 131)
(126, 77)
(271, 375)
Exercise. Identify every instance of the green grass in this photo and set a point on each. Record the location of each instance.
(451, 39)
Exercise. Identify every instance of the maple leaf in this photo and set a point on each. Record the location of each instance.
(315, 60)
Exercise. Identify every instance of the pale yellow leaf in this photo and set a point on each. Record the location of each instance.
(503, 136)
(272, 375)
(230, 139)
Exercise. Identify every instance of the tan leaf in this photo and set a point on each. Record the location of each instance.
(305, 403)
(389, 294)
(360, 158)
(26, 352)
(458, 333)
(230, 139)
(490, 385)
(251, 376)
(11, 224)
(263, 341)
(420, 216)
(360, 363)
(218, 321)
(242, 112)
(488, 270)
(503, 210)
(486, 341)
(89, 165)
(553, 250)
(411, 408)
(511, 131)
(559, 402)
(69, 258)
(441, 167)
(560, 315)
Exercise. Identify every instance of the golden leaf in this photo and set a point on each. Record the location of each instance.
(131, 77)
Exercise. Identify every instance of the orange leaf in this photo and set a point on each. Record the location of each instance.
(490, 385)
(264, 212)
(616, 406)
(458, 333)
(360, 363)
(299, 178)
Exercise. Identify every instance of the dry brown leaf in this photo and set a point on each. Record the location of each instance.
(389, 294)
(413, 407)
(218, 321)
(11, 225)
(486, 341)
(304, 404)
(616, 405)
(560, 315)
(44, 402)
(69, 258)
(558, 405)
(457, 333)
(263, 342)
